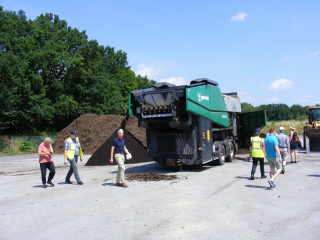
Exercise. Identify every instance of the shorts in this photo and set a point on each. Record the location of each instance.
(294, 145)
(274, 163)
(284, 153)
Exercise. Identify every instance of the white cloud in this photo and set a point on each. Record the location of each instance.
(245, 98)
(274, 99)
(239, 17)
(285, 58)
(300, 55)
(261, 85)
(251, 76)
(314, 54)
(281, 84)
(176, 80)
(149, 71)
(303, 98)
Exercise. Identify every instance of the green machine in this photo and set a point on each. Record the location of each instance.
(192, 124)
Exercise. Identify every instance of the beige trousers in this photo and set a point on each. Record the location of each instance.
(120, 175)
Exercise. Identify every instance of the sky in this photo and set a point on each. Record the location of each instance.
(267, 51)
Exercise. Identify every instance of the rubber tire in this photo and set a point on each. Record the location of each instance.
(222, 155)
(232, 153)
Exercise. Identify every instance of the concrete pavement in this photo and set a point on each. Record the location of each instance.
(209, 202)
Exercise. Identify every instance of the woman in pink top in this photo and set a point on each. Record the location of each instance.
(45, 152)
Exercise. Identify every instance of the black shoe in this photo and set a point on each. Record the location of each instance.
(263, 176)
(291, 162)
(51, 183)
(252, 177)
(44, 186)
(68, 181)
(283, 171)
(80, 183)
(295, 161)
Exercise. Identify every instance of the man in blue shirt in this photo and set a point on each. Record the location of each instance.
(118, 148)
(273, 156)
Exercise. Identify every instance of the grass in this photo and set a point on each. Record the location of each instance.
(286, 124)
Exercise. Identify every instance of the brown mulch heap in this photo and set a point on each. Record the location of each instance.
(149, 177)
(138, 132)
(243, 151)
(93, 131)
(102, 155)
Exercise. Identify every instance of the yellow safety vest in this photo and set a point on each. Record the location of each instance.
(72, 148)
(257, 151)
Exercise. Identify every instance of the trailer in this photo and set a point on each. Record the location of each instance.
(193, 124)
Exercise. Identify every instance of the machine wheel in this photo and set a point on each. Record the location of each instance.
(222, 154)
(232, 153)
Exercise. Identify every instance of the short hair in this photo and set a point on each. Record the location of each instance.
(120, 130)
(272, 129)
(47, 140)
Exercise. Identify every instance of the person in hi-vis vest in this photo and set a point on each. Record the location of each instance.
(258, 152)
(72, 149)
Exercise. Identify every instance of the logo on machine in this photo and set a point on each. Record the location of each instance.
(201, 98)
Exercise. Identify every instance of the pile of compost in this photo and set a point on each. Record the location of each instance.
(96, 133)
(149, 177)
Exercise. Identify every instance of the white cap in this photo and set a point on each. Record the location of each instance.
(281, 129)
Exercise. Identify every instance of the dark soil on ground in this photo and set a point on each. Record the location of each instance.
(149, 177)
(243, 151)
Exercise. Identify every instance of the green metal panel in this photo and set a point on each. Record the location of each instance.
(252, 120)
(132, 108)
(217, 117)
(206, 101)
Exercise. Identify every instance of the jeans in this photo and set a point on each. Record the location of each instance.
(43, 168)
(255, 163)
(73, 169)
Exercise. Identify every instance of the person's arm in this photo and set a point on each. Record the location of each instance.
(111, 155)
(291, 135)
(264, 150)
(126, 151)
(278, 152)
(250, 148)
(65, 156)
(288, 145)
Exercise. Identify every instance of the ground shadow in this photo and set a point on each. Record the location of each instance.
(248, 178)
(261, 187)
(108, 184)
(156, 168)
(242, 159)
(314, 175)
(38, 186)
(64, 183)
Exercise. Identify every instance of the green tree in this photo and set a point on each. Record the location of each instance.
(247, 107)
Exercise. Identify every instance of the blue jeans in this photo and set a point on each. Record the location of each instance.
(73, 169)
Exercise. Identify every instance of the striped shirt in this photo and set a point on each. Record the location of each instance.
(66, 146)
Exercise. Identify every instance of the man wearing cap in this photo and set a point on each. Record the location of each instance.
(273, 156)
(72, 149)
(283, 147)
(118, 148)
(257, 151)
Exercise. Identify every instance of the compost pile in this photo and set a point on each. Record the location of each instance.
(149, 177)
(243, 151)
(96, 133)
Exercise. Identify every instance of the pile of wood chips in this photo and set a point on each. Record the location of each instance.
(150, 177)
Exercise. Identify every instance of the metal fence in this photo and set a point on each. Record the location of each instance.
(10, 142)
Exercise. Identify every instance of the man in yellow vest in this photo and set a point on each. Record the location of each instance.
(258, 152)
(72, 149)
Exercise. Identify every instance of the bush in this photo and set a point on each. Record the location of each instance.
(25, 147)
(301, 118)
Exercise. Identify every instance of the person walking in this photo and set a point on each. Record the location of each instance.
(72, 150)
(257, 152)
(273, 156)
(293, 144)
(118, 148)
(283, 147)
(45, 153)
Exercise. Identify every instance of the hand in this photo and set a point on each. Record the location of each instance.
(111, 160)
(81, 159)
(65, 162)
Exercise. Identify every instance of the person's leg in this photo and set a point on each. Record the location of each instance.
(75, 169)
(284, 154)
(279, 168)
(52, 171)
(296, 155)
(43, 169)
(70, 172)
(254, 167)
(261, 160)
(120, 174)
(291, 154)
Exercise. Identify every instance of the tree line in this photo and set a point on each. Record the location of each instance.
(50, 73)
(277, 112)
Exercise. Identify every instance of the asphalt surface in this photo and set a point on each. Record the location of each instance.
(209, 202)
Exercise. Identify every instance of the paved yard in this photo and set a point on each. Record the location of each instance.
(210, 202)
